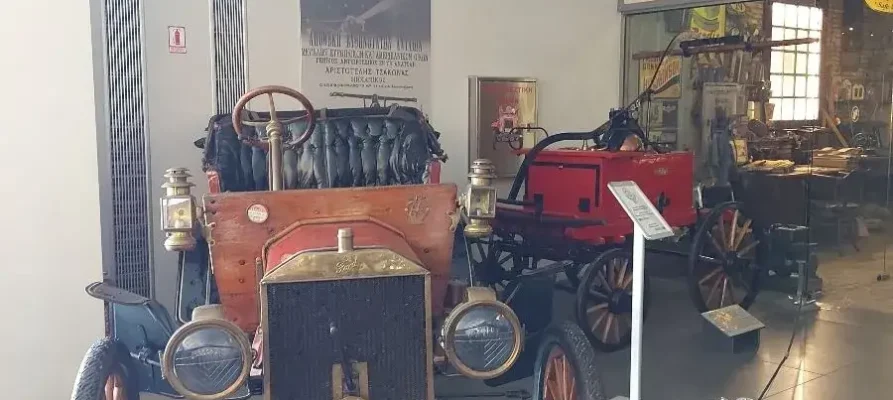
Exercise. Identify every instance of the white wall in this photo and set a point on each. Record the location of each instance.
(572, 47)
(50, 241)
(180, 93)
(273, 29)
(179, 102)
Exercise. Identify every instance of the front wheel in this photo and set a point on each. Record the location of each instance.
(106, 374)
(604, 306)
(565, 366)
(723, 266)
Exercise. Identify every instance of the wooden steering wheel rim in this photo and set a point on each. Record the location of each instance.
(270, 89)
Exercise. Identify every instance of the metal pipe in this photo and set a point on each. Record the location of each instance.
(345, 240)
(274, 129)
(724, 48)
(370, 96)
(635, 362)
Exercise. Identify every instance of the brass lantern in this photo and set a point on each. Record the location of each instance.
(178, 210)
(479, 199)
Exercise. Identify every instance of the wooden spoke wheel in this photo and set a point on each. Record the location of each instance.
(565, 366)
(115, 388)
(106, 374)
(723, 267)
(604, 304)
(560, 383)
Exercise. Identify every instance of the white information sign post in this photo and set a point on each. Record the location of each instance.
(647, 224)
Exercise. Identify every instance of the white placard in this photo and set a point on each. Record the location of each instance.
(176, 39)
(640, 210)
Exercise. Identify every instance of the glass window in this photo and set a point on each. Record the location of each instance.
(682, 82)
(797, 68)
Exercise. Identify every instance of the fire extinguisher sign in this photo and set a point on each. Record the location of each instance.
(176, 39)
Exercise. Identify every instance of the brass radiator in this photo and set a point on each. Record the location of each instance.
(378, 326)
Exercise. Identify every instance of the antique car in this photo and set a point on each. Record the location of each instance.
(586, 234)
(319, 267)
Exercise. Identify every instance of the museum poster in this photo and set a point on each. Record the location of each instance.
(666, 83)
(353, 49)
(501, 105)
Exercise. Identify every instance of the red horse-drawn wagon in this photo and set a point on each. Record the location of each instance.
(567, 215)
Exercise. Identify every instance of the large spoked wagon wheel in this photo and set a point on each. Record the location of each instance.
(565, 366)
(723, 267)
(491, 263)
(604, 307)
(106, 374)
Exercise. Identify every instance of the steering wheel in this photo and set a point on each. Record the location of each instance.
(296, 140)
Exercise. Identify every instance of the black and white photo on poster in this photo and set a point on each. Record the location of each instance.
(355, 49)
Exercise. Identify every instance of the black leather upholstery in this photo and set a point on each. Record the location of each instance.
(349, 147)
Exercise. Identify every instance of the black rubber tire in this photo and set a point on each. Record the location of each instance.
(582, 303)
(570, 338)
(700, 241)
(105, 358)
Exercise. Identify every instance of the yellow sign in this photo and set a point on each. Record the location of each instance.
(666, 83)
(708, 21)
(882, 6)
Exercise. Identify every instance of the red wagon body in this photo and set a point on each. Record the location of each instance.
(571, 184)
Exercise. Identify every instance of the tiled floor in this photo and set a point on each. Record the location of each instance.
(844, 349)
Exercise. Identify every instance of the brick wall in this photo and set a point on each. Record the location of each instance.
(832, 41)
(860, 55)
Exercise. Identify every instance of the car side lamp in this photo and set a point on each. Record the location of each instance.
(178, 210)
(479, 199)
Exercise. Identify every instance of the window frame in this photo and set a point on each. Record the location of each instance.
(794, 87)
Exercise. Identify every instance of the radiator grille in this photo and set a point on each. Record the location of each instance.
(127, 145)
(229, 53)
(382, 321)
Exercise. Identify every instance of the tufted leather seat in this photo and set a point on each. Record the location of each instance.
(349, 147)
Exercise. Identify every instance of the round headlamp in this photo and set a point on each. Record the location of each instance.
(482, 337)
(207, 359)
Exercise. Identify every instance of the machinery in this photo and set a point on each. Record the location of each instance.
(318, 268)
(374, 99)
(568, 216)
(514, 137)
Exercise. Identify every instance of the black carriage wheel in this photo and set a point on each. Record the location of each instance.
(604, 306)
(487, 265)
(565, 366)
(106, 373)
(723, 266)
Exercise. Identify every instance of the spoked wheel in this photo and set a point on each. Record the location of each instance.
(106, 374)
(115, 387)
(565, 366)
(604, 306)
(490, 262)
(723, 265)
